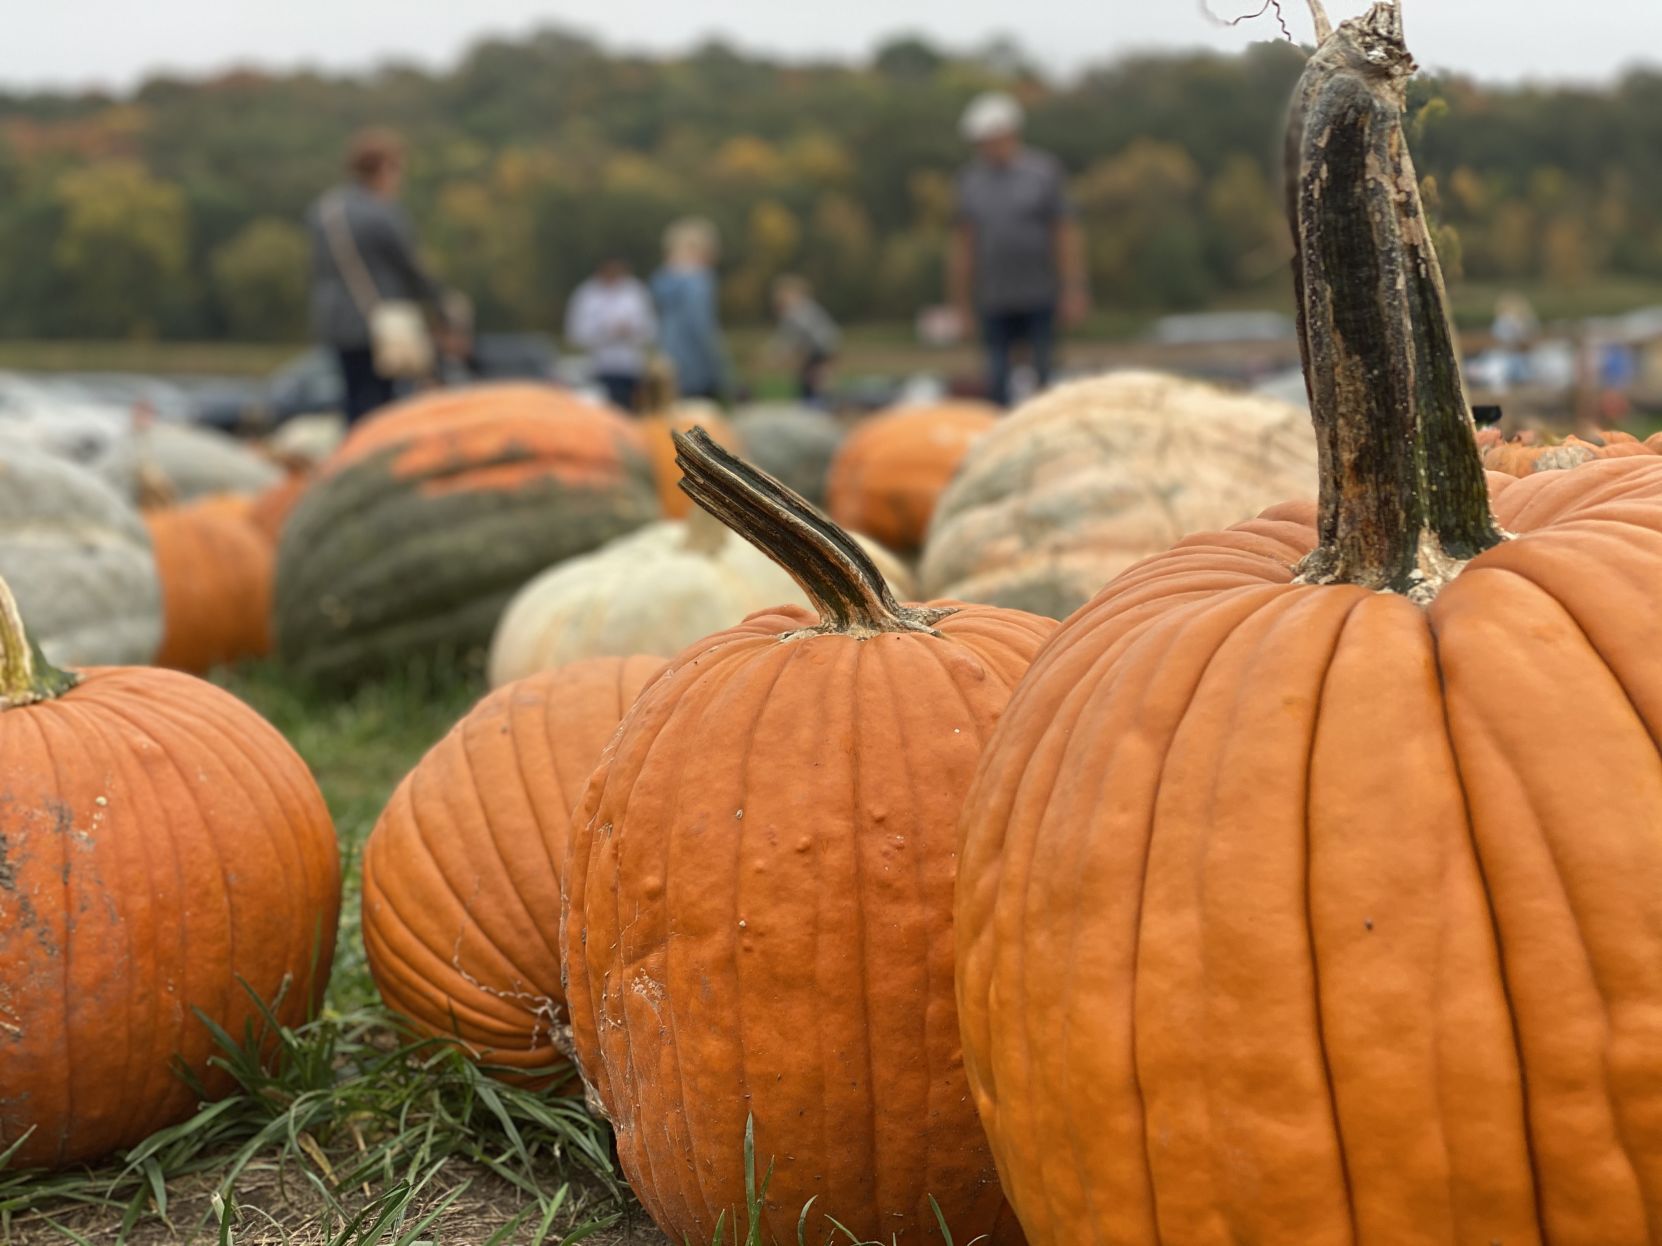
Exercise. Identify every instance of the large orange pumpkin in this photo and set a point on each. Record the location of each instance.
(1288, 912)
(891, 469)
(216, 569)
(162, 850)
(462, 872)
(759, 893)
(412, 538)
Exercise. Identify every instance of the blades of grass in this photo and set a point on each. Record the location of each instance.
(509, 1229)
(802, 1221)
(222, 1213)
(940, 1219)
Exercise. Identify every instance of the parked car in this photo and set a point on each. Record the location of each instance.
(310, 383)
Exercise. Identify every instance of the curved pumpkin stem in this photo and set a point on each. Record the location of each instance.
(26, 677)
(844, 585)
(1404, 504)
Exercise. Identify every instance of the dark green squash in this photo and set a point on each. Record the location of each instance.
(431, 516)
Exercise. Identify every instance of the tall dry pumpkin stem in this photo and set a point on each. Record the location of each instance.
(25, 675)
(843, 584)
(1404, 504)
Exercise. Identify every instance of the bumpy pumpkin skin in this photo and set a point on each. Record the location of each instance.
(462, 872)
(79, 559)
(433, 514)
(216, 569)
(892, 469)
(1093, 476)
(760, 922)
(1281, 920)
(158, 842)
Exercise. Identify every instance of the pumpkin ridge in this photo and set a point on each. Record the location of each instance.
(468, 751)
(139, 779)
(1323, 1045)
(1192, 614)
(1502, 960)
(255, 778)
(1539, 832)
(203, 823)
(422, 821)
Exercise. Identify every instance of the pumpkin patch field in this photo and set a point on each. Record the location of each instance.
(533, 825)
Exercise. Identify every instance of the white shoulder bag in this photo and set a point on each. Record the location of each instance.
(398, 336)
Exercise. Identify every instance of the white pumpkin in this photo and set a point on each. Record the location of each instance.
(654, 591)
(1089, 478)
(191, 463)
(78, 559)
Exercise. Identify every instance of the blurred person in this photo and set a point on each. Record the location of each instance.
(372, 299)
(1017, 264)
(611, 318)
(689, 327)
(807, 335)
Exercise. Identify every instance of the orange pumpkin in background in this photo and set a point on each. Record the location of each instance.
(759, 892)
(216, 569)
(660, 431)
(462, 872)
(1285, 913)
(162, 850)
(891, 470)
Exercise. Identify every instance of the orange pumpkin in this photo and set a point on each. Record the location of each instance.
(891, 469)
(160, 847)
(216, 569)
(759, 891)
(1285, 914)
(1527, 453)
(660, 433)
(271, 509)
(462, 872)
(414, 535)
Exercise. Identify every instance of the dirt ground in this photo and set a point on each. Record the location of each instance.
(283, 1209)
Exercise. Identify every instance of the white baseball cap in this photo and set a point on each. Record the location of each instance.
(991, 115)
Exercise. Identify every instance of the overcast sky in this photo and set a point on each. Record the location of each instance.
(114, 43)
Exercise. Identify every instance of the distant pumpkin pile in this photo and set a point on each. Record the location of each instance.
(1279, 894)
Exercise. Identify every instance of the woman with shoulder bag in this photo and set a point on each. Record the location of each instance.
(372, 298)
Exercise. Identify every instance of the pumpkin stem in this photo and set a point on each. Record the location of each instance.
(843, 584)
(26, 677)
(1404, 503)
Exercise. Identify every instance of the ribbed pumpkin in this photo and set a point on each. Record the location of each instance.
(660, 430)
(654, 591)
(892, 469)
(794, 445)
(216, 569)
(1286, 912)
(433, 514)
(462, 872)
(160, 847)
(1091, 477)
(759, 892)
(79, 559)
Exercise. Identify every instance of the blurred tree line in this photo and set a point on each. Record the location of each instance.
(175, 211)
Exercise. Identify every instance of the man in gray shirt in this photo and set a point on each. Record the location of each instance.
(1017, 262)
